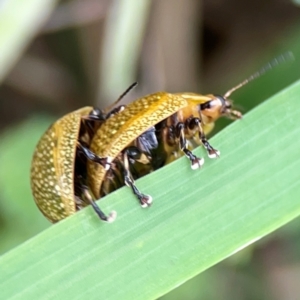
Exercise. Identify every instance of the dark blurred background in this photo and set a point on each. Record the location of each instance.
(88, 52)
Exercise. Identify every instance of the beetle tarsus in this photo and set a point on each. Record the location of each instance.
(197, 163)
(145, 200)
(110, 218)
(211, 152)
(88, 196)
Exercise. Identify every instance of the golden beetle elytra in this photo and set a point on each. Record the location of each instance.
(58, 177)
(53, 167)
(89, 153)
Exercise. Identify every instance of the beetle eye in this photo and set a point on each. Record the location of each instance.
(228, 105)
(206, 105)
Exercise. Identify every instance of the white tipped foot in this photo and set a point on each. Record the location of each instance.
(197, 163)
(214, 154)
(112, 216)
(147, 201)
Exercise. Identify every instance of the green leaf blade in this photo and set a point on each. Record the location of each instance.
(197, 219)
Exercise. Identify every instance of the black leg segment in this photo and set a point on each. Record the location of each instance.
(196, 162)
(145, 200)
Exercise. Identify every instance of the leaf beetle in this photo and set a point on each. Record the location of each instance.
(89, 153)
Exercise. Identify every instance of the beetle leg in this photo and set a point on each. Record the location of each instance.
(87, 195)
(103, 161)
(145, 200)
(196, 122)
(196, 161)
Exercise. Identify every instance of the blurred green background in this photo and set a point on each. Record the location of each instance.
(61, 55)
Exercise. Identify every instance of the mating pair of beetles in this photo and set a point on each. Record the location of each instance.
(88, 153)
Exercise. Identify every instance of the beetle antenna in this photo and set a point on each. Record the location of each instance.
(273, 63)
(122, 96)
(127, 91)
